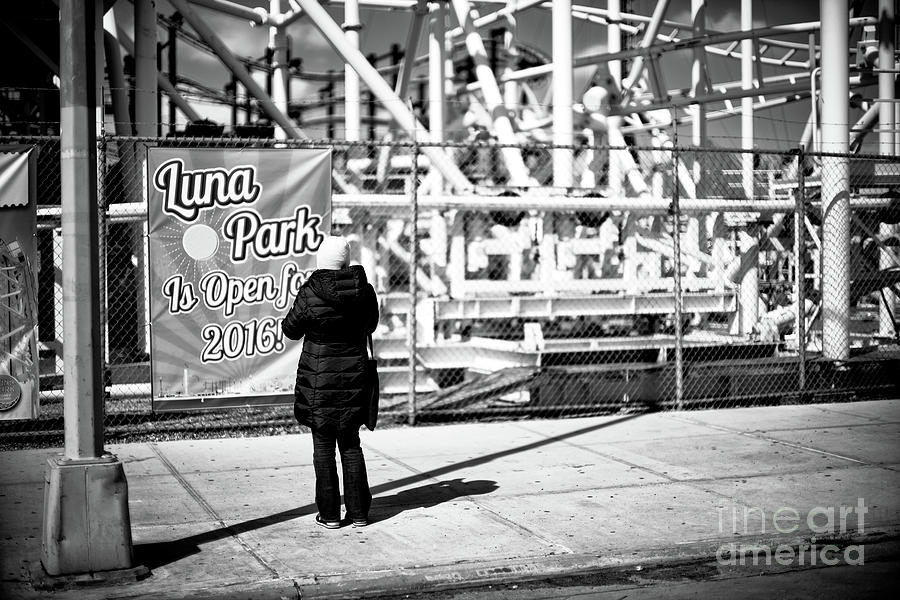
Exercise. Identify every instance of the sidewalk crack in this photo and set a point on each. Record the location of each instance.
(209, 510)
(775, 440)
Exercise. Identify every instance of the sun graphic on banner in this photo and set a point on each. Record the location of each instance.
(194, 249)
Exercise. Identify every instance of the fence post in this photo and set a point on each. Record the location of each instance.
(676, 239)
(800, 269)
(102, 205)
(411, 322)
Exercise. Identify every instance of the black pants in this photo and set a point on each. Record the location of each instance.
(357, 497)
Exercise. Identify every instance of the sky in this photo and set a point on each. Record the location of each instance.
(774, 127)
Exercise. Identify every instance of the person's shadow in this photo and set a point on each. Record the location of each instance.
(155, 555)
(426, 496)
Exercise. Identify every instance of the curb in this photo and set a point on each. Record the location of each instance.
(374, 584)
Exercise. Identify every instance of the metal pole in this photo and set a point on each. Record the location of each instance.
(614, 39)
(750, 281)
(102, 205)
(676, 244)
(888, 305)
(563, 123)
(511, 88)
(145, 117)
(800, 270)
(412, 325)
(80, 273)
(279, 77)
(747, 102)
(86, 525)
(437, 57)
(835, 181)
(352, 119)
(145, 67)
(117, 87)
(173, 69)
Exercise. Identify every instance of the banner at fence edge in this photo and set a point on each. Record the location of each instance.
(19, 364)
(285, 190)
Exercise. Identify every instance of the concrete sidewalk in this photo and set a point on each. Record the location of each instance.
(458, 504)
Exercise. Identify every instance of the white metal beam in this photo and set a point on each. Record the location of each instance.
(234, 65)
(398, 109)
(467, 16)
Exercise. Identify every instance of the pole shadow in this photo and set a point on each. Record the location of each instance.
(158, 554)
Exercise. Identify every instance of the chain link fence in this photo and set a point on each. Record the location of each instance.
(660, 278)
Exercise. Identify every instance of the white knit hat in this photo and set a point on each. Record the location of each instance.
(334, 253)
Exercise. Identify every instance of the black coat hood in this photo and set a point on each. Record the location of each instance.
(344, 287)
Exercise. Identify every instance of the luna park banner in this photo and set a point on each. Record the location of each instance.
(232, 237)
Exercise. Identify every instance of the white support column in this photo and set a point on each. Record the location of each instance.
(886, 136)
(493, 99)
(835, 181)
(437, 57)
(352, 119)
(614, 39)
(278, 44)
(747, 102)
(456, 266)
(511, 88)
(750, 279)
(563, 126)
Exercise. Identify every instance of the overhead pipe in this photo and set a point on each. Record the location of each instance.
(709, 40)
(256, 16)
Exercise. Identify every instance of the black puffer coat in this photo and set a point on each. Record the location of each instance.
(333, 311)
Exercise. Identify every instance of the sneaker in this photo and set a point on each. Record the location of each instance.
(327, 524)
(358, 522)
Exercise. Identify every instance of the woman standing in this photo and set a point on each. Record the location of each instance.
(334, 311)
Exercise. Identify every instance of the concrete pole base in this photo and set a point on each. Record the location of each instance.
(87, 526)
(43, 581)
